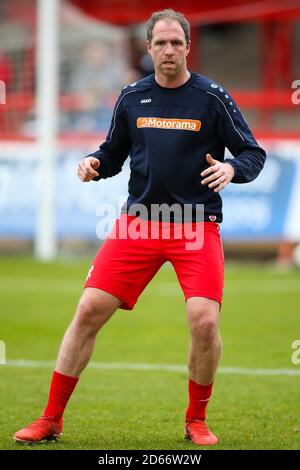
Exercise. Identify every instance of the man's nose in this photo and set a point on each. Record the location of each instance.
(169, 49)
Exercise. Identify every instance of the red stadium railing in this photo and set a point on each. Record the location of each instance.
(18, 106)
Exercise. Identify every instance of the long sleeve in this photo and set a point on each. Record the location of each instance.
(237, 137)
(114, 151)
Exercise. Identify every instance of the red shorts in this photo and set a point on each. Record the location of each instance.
(126, 263)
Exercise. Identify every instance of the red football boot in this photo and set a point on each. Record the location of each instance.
(197, 431)
(42, 429)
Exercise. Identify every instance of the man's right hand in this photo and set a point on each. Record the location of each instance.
(86, 170)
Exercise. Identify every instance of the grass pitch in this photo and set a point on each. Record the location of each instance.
(123, 401)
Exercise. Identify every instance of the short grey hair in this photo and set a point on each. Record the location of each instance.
(168, 13)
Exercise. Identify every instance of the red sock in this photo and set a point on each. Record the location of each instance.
(199, 396)
(61, 389)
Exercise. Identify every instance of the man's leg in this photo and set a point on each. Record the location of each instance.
(205, 341)
(204, 354)
(94, 309)
(199, 266)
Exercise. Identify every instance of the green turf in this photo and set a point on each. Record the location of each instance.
(127, 409)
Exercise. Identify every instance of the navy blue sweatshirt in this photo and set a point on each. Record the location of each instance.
(167, 133)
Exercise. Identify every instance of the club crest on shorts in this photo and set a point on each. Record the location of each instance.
(212, 218)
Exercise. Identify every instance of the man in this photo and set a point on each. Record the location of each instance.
(175, 125)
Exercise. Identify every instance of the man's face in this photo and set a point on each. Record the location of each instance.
(168, 47)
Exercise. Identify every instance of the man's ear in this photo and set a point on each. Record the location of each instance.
(149, 47)
(188, 47)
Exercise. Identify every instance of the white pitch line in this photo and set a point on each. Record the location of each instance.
(23, 363)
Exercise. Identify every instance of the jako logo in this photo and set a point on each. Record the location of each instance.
(169, 123)
(146, 100)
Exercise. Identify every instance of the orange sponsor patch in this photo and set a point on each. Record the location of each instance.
(169, 123)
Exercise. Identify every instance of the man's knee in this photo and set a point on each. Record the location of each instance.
(203, 317)
(95, 308)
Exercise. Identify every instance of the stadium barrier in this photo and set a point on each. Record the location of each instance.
(265, 210)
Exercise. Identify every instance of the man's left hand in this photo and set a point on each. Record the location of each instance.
(218, 175)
